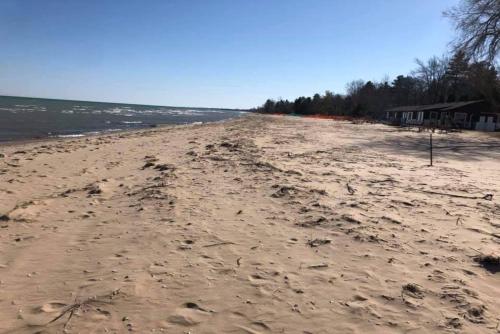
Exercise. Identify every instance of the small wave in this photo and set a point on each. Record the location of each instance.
(84, 134)
(183, 112)
(115, 111)
(131, 122)
(75, 135)
(213, 111)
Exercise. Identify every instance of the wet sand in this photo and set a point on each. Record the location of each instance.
(254, 225)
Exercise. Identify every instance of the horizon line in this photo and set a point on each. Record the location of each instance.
(132, 104)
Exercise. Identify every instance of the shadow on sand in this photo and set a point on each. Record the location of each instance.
(470, 146)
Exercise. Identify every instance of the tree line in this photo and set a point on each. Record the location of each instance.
(468, 74)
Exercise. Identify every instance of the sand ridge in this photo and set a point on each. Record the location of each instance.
(256, 225)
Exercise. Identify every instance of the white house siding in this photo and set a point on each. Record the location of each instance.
(487, 123)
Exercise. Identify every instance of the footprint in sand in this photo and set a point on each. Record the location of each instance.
(50, 307)
(189, 315)
(42, 315)
(28, 211)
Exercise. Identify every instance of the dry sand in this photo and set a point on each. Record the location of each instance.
(256, 225)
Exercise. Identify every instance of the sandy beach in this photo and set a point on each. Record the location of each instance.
(262, 224)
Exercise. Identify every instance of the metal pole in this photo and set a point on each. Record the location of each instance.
(430, 147)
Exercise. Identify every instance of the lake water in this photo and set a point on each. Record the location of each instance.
(29, 118)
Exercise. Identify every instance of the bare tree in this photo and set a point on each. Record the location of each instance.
(478, 24)
(432, 75)
(353, 87)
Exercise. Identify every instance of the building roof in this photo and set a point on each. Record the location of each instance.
(435, 107)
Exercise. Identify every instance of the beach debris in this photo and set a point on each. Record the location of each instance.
(318, 191)
(489, 262)
(368, 238)
(284, 191)
(350, 189)
(220, 244)
(195, 306)
(392, 220)
(93, 189)
(318, 242)
(475, 314)
(350, 219)
(67, 192)
(85, 305)
(227, 144)
(148, 164)
(304, 209)
(406, 203)
(313, 222)
(4, 218)
(487, 197)
(453, 322)
(186, 244)
(318, 266)
(150, 161)
(413, 290)
(383, 181)
(164, 167)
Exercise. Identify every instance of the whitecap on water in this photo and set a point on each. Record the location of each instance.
(76, 135)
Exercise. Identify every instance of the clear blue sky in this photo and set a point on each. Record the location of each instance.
(217, 53)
